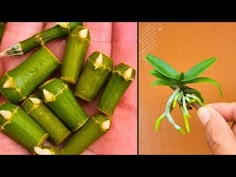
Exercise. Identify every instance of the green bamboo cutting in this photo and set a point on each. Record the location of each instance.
(121, 78)
(93, 76)
(15, 123)
(57, 131)
(184, 95)
(95, 127)
(61, 29)
(58, 96)
(20, 82)
(76, 48)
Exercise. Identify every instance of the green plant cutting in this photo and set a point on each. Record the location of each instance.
(40, 107)
(183, 95)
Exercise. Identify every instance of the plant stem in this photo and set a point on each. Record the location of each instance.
(122, 76)
(57, 131)
(41, 38)
(93, 76)
(19, 126)
(195, 105)
(57, 95)
(90, 132)
(76, 48)
(20, 82)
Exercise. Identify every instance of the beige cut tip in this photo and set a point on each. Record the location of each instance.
(49, 97)
(6, 114)
(35, 100)
(63, 24)
(106, 125)
(98, 61)
(83, 33)
(9, 83)
(128, 73)
(41, 151)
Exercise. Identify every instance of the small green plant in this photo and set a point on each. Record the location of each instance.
(185, 96)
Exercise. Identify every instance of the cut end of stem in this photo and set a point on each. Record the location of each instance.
(35, 101)
(83, 33)
(48, 96)
(41, 151)
(106, 125)
(98, 61)
(9, 83)
(63, 24)
(7, 115)
(128, 74)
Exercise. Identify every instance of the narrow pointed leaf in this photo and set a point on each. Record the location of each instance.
(159, 75)
(206, 79)
(198, 69)
(162, 67)
(162, 82)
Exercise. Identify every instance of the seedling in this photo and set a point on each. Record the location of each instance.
(185, 96)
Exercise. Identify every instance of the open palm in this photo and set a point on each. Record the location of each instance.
(118, 40)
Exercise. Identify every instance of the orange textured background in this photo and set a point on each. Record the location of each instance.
(183, 45)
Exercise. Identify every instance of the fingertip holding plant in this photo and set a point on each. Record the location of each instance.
(185, 96)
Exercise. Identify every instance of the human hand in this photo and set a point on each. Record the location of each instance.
(220, 137)
(118, 40)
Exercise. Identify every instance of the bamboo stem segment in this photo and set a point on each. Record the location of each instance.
(20, 82)
(57, 131)
(93, 76)
(122, 77)
(76, 48)
(19, 126)
(95, 127)
(57, 95)
(62, 29)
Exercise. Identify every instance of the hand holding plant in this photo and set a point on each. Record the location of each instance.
(185, 96)
(120, 50)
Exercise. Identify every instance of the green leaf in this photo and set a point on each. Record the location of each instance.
(206, 79)
(162, 82)
(161, 76)
(162, 67)
(198, 69)
(181, 76)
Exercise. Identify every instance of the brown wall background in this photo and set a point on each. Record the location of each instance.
(183, 45)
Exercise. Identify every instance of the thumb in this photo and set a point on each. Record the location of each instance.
(220, 137)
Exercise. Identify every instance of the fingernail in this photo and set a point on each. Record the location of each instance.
(204, 115)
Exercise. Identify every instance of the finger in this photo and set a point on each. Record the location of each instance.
(14, 33)
(9, 146)
(233, 127)
(220, 137)
(124, 49)
(56, 46)
(124, 43)
(122, 137)
(100, 37)
(227, 110)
